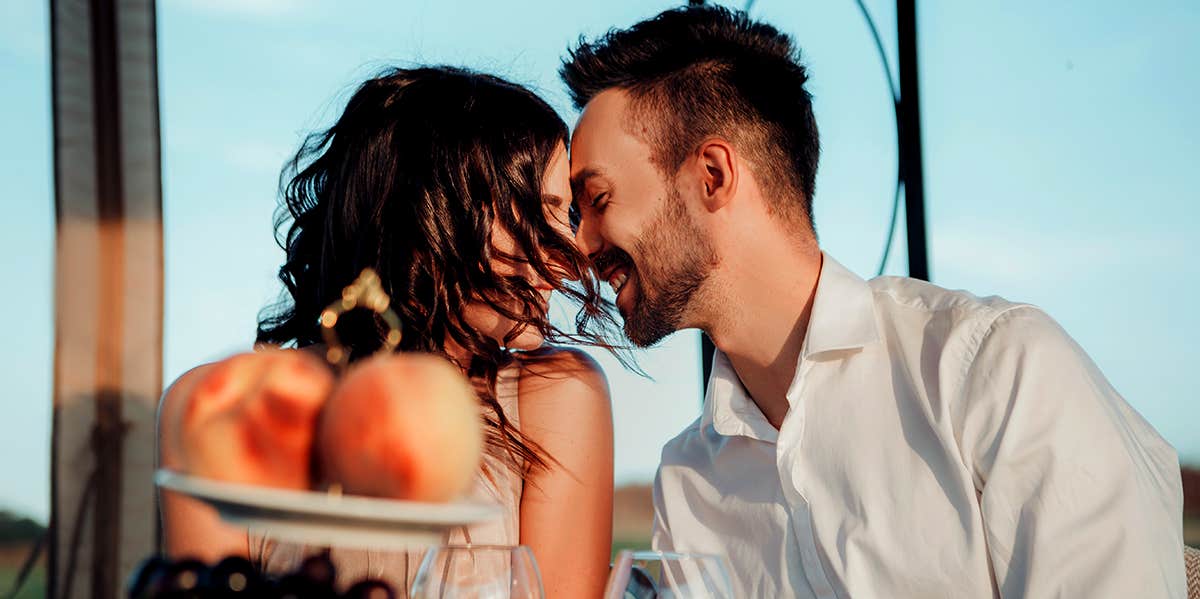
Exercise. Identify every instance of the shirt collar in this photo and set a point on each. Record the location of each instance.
(843, 318)
(843, 314)
(728, 407)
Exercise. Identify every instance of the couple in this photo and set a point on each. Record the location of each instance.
(881, 438)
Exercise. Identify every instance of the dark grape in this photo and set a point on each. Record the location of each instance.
(149, 579)
(186, 578)
(319, 570)
(298, 586)
(370, 589)
(235, 577)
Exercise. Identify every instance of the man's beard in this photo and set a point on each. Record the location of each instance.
(675, 262)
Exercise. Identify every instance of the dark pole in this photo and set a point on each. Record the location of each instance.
(707, 349)
(108, 439)
(911, 168)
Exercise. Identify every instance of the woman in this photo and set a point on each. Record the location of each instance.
(454, 187)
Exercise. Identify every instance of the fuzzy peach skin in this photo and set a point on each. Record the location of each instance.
(403, 426)
(251, 418)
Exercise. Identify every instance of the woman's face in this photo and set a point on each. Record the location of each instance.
(556, 186)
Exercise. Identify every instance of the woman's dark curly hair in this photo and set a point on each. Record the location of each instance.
(410, 181)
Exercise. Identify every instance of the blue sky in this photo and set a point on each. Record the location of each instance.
(1061, 152)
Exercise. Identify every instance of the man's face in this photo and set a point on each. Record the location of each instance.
(635, 223)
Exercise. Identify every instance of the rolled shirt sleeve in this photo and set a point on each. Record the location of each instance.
(1080, 497)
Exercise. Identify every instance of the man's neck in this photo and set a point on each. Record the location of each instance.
(765, 304)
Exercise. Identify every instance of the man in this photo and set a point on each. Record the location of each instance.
(859, 439)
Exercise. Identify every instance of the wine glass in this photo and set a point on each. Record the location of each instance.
(478, 572)
(656, 575)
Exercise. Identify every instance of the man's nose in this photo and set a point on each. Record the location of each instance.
(588, 238)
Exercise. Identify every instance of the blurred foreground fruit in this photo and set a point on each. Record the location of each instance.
(402, 426)
(251, 418)
(235, 577)
(370, 589)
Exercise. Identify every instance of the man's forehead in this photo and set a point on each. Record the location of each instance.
(603, 114)
(599, 132)
(580, 177)
(608, 102)
(587, 152)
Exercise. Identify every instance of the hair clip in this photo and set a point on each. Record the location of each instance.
(365, 292)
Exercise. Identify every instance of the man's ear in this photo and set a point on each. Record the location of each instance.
(717, 161)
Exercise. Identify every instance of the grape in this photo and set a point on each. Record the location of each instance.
(319, 570)
(235, 577)
(298, 586)
(149, 579)
(370, 589)
(185, 578)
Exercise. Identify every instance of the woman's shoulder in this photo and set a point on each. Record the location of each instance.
(557, 363)
(560, 372)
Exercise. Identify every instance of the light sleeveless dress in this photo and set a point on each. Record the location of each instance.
(495, 483)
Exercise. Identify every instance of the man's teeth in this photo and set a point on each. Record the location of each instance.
(618, 282)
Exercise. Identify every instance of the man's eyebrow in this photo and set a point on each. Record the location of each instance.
(581, 178)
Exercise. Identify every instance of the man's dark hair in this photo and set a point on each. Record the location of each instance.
(703, 71)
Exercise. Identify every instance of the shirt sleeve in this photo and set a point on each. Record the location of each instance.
(660, 539)
(1080, 496)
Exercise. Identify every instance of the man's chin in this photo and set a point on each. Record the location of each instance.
(643, 341)
(645, 330)
(625, 314)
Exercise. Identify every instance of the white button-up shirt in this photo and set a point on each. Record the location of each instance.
(937, 444)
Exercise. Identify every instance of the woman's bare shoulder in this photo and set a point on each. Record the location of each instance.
(554, 367)
(563, 391)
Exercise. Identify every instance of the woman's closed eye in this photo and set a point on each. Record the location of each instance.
(558, 211)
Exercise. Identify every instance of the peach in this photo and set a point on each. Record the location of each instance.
(403, 426)
(250, 418)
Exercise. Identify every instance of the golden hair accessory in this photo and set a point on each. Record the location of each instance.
(365, 292)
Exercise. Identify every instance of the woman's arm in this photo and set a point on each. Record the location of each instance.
(566, 510)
